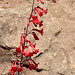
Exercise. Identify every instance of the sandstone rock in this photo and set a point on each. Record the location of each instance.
(57, 45)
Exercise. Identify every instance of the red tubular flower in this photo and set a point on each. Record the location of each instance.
(40, 23)
(30, 53)
(39, 12)
(41, 1)
(19, 67)
(35, 36)
(13, 69)
(28, 22)
(45, 11)
(35, 19)
(18, 49)
(26, 54)
(36, 65)
(40, 31)
(31, 66)
(35, 50)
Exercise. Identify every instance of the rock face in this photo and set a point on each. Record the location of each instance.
(57, 45)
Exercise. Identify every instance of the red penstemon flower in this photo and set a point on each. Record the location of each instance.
(35, 50)
(36, 65)
(35, 19)
(19, 67)
(31, 66)
(39, 12)
(13, 68)
(35, 36)
(18, 49)
(45, 11)
(30, 53)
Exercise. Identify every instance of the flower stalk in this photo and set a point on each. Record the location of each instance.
(24, 49)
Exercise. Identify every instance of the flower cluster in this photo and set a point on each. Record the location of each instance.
(24, 48)
(14, 68)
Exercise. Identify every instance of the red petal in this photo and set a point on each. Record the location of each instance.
(18, 49)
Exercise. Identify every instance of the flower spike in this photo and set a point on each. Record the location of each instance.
(18, 49)
(30, 53)
(13, 68)
(35, 19)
